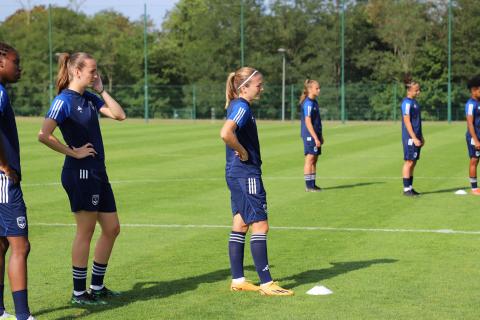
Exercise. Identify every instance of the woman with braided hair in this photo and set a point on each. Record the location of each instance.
(13, 213)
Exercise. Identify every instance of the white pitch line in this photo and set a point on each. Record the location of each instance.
(211, 226)
(45, 184)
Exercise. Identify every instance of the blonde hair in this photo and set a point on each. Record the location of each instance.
(306, 86)
(66, 64)
(236, 80)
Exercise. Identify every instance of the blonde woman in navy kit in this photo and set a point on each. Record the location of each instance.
(244, 179)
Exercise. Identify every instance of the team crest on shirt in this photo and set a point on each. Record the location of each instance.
(95, 199)
(21, 222)
(79, 109)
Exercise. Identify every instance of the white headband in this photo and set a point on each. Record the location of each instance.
(248, 79)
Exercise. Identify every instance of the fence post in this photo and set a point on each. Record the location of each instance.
(50, 57)
(145, 99)
(394, 101)
(194, 102)
(292, 104)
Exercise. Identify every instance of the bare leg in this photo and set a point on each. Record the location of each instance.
(110, 230)
(86, 221)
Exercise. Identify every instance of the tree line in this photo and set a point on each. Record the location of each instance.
(198, 43)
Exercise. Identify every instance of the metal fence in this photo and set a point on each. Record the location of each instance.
(363, 101)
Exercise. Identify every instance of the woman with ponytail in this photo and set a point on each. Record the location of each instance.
(75, 111)
(311, 132)
(412, 137)
(244, 179)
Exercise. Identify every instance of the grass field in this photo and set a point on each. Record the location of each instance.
(167, 175)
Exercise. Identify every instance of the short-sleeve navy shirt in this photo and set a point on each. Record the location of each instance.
(77, 117)
(239, 111)
(8, 132)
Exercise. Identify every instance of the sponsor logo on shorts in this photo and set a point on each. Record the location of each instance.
(95, 199)
(21, 222)
(315, 149)
(265, 208)
(477, 153)
(415, 154)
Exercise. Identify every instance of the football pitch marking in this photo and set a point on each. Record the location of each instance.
(44, 184)
(212, 226)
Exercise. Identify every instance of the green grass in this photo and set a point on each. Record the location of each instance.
(173, 173)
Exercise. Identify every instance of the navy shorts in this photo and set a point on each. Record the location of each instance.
(472, 152)
(13, 213)
(248, 198)
(88, 190)
(410, 150)
(309, 147)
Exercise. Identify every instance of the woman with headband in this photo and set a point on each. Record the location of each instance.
(244, 179)
(412, 136)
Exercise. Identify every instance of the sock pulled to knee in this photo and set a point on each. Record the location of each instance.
(236, 247)
(20, 299)
(258, 246)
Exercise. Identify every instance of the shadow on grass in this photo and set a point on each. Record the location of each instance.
(445, 190)
(353, 185)
(337, 268)
(143, 291)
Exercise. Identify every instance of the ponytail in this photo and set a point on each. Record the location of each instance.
(236, 80)
(409, 82)
(230, 92)
(63, 79)
(66, 64)
(306, 85)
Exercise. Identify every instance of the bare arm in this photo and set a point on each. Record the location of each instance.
(112, 108)
(408, 126)
(228, 136)
(471, 130)
(46, 137)
(309, 125)
(9, 172)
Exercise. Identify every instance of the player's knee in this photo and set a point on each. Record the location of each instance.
(116, 231)
(112, 231)
(21, 249)
(240, 228)
(85, 234)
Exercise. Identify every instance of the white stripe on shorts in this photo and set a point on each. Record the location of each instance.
(252, 186)
(83, 174)
(3, 188)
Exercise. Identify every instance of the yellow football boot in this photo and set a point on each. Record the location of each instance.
(273, 289)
